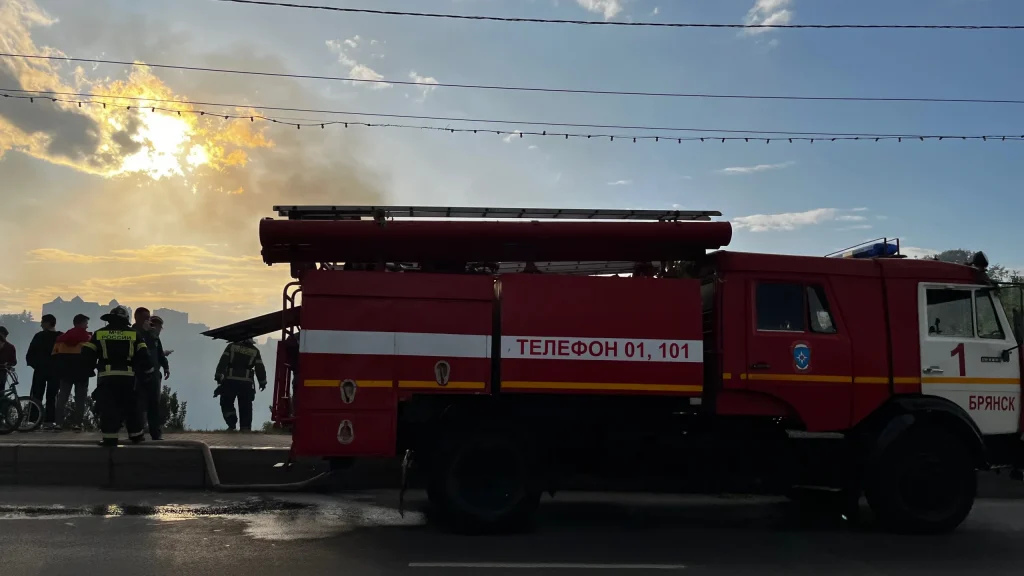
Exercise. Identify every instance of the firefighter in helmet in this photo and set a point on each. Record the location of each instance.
(119, 354)
(238, 364)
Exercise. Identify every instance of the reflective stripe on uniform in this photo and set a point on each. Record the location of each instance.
(109, 372)
(89, 345)
(109, 436)
(239, 379)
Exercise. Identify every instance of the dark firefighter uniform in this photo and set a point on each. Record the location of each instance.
(239, 362)
(119, 353)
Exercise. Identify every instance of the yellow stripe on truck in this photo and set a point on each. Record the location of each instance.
(337, 383)
(430, 384)
(601, 386)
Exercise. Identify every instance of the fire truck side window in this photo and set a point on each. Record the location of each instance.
(950, 314)
(780, 307)
(821, 316)
(988, 320)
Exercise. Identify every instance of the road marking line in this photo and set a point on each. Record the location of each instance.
(545, 565)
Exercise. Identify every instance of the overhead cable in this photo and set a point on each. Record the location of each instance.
(628, 23)
(384, 82)
(709, 136)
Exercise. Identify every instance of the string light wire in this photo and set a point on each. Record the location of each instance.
(516, 88)
(709, 136)
(377, 12)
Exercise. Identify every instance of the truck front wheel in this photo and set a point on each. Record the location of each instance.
(483, 483)
(924, 482)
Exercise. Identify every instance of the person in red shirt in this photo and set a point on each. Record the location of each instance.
(8, 356)
(72, 371)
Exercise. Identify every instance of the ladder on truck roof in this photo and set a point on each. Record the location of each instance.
(389, 212)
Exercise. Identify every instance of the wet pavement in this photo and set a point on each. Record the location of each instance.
(56, 532)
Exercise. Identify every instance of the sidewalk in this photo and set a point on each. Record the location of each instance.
(214, 439)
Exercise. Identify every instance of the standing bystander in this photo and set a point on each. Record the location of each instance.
(150, 403)
(73, 372)
(8, 357)
(147, 385)
(45, 384)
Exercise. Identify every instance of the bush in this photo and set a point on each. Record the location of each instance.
(172, 412)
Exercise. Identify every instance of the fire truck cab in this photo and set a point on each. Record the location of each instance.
(506, 351)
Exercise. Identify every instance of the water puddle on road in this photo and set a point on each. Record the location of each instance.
(298, 518)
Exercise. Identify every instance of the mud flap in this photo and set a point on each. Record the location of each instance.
(407, 461)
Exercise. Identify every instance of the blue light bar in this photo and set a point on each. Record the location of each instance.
(880, 249)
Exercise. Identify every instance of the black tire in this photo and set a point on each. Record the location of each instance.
(482, 483)
(10, 415)
(924, 482)
(29, 406)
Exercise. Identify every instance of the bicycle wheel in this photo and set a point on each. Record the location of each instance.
(10, 415)
(31, 414)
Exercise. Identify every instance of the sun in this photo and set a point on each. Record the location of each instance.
(166, 146)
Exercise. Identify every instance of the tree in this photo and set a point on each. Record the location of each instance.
(172, 412)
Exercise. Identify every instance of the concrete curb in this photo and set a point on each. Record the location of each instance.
(143, 467)
(151, 466)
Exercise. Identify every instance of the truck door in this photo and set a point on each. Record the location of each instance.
(799, 352)
(964, 334)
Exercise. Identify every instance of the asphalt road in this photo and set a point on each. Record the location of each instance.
(73, 532)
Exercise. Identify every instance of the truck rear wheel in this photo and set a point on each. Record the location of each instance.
(924, 482)
(482, 483)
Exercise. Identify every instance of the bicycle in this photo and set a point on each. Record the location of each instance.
(10, 411)
(30, 410)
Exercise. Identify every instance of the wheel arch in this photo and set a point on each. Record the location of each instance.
(900, 413)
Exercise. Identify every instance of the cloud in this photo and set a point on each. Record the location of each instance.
(757, 168)
(656, 11)
(161, 275)
(514, 134)
(427, 82)
(356, 70)
(168, 205)
(914, 252)
(152, 254)
(607, 8)
(768, 13)
(621, 183)
(789, 221)
(785, 221)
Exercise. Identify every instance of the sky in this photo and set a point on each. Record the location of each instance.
(159, 209)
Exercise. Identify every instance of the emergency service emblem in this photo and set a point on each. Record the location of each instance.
(345, 432)
(442, 372)
(801, 356)
(348, 391)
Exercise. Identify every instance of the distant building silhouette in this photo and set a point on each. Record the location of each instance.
(65, 311)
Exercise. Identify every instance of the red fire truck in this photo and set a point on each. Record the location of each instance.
(506, 350)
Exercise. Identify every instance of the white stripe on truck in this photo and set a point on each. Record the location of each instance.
(394, 343)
